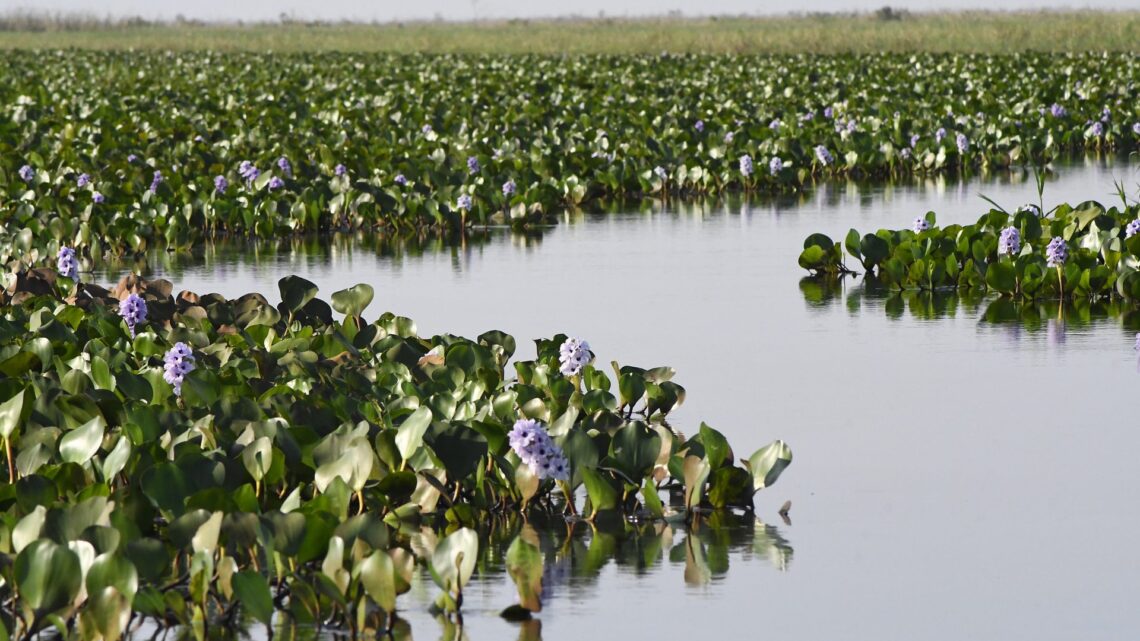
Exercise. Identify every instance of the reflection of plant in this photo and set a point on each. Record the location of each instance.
(234, 454)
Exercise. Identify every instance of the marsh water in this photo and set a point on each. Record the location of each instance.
(956, 475)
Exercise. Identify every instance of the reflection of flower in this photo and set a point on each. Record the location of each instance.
(1056, 253)
(1010, 241)
(133, 310)
(1137, 347)
(919, 225)
(66, 263)
(1055, 330)
(534, 447)
(177, 363)
(573, 355)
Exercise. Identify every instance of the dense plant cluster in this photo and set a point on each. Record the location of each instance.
(172, 456)
(1085, 251)
(112, 152)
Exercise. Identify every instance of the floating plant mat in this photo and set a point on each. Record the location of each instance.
(174, 456)
(110, 152)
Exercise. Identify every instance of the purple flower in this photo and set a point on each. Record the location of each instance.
(276, 183)
(221, 184)
(660, 172)
(83, 181)
(1105, 115)
(472, 165)
(247, 171)
(66, 263)
(426, 129)
(532, 444)
(1009, 242)
(1031, 208)
(904, 153)
(133, 310)
(1058, 111)
(914, 140)
(400, 180)
(809, 116)
(340, 170)
(176, 364)
(851, 126)
(27, 173)
(824, 156)
(1136, 128)
(940, 134)
(728, 137)
(963, 143)
(919, 225)
(573, 355)
(746, 165)
(199, 138)
(509, 188)
(828, 112)
(775, 124)
(1056, 252)
(131, 158)
(1097, 129)
(775, 165)
(156, 181)
(699, 125)
(97, 198)
(285, 167)
(1132, 229)
(464, 202)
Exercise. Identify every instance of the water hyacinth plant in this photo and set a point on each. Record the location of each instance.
(573, 355)
(1082, 253)
(67, 264)
(746, 165)
(231, 481)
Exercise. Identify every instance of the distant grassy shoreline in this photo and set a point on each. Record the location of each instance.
(981, 32)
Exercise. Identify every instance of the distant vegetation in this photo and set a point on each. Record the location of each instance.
(884, 30)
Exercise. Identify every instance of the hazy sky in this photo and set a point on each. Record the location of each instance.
(385, 10)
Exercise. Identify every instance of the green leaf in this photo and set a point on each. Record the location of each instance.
(524, 565)
(716, 447)
(410, 434)
(252, 591)
(602, 494)
(47, 576)
(696, 471)
(80, 444)
(453, 560)
(352, 301)
(296, 292)
(767, 463)
(12, 412)
(378, 576)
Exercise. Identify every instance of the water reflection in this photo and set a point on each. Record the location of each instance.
(1054, 318)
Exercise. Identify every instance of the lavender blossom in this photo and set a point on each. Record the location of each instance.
(340, 170)
(177, 363)
(660, 172)
(285, 167)
(400, 180)
(221, 184)
(775, 124)
(823, 155)
(247, 171)
(940, 134)
(920, 225)
(1058, 111)
(131, 158)
(1031, 208)
(156, 181)
(1057, 252)
(811, 115)
(914, 140)
(728, 137)
(276, 183)
(963, 143)
(535, 449)
(83, 181)
(464, 202)
(775, 165)
(27, 173)
(851, 126)
(1105, 115)
(67, 264)
(746, 165)
(426, 129)
(1132, 229)
(1097, 129)
(1009, 242)
(509, 188)
(699, 125)
(1136, 128)
(573, 355)
(97, 198)
(472, 165)
(828, 112)
(133, 310)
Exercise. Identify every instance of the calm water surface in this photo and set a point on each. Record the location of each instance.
(953, 478)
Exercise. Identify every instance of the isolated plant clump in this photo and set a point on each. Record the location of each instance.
(222, 452)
